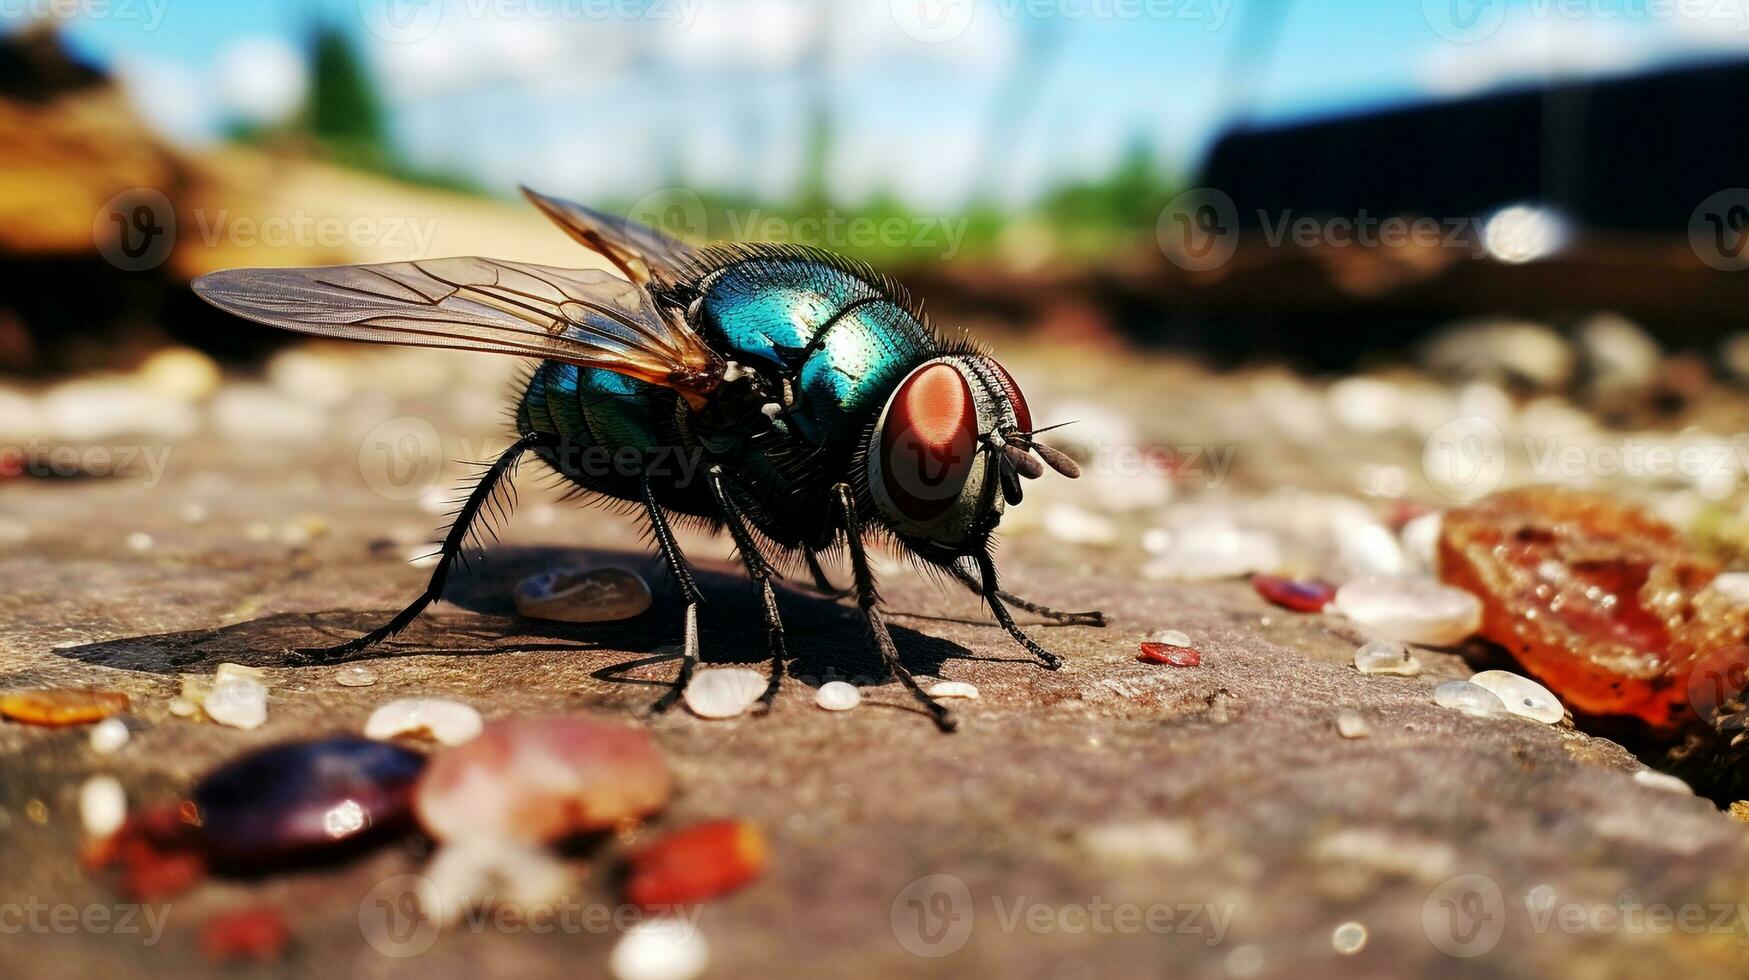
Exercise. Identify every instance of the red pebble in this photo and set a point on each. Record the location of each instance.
(694, 864)
(1170, 655)
(1298, 595)
(258, 933)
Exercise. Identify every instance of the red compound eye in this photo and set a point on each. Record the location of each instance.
(929, 441)
(1022, 414)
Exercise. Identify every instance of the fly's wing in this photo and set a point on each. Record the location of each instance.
(586, 317)
(639, 251)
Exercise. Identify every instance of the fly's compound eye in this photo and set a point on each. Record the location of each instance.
(928, 442)
(1022, 414)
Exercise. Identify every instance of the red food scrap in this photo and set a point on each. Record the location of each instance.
(258, 933)
(1300, 595)
(1599, 600)
(695, 864)
(1169, 654)
(158, 852)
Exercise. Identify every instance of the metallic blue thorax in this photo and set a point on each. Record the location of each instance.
(837, 334)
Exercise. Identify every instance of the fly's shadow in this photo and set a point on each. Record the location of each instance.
(826, 638)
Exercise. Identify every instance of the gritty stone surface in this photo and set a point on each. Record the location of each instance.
(1041, 840)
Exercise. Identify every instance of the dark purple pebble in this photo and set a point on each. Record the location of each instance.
(306, 801)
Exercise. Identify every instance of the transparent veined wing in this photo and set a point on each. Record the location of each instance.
(639, 251)
(582, 316)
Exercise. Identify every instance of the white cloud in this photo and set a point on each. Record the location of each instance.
(172, 98)
(262, 79)
(1527, 48)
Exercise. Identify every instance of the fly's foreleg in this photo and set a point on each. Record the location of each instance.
(759, 570)
(868, 602)
(993, 596)
(688, 590)
(1090, 618)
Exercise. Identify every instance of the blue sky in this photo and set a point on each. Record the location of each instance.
(593, 98)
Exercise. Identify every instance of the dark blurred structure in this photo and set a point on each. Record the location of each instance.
(1630, 154)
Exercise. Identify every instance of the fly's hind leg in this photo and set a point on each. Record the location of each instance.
(1090, 618)
(759, 570)
(688, 590)
(868, 601)
(450, 551)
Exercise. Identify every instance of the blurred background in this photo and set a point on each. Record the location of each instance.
(1290, 223)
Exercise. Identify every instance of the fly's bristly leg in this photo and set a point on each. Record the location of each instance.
(688, 590)
(759, 570)
(868, 601)
(453, 543)
(823, 583)
(993, 596)
(1092, 617)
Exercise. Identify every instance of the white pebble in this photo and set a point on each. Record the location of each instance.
(356, 677)
(1409, 609)
(445, 721)
(479, 871)
(103, 805)
(1349, 724)
(953, 689)
(724, 692)
(182, 707)
(1066, 522)
(1349, 938)
(837, 696)
(1171, 638)
(1421, 541)
(1386, 657)
(1204, 552)
(108, 735)
(1366, 547)
(1663, 781)
(237, 701)
(1522, 696)
(668, 947)
(140, 541)
(1468, 698)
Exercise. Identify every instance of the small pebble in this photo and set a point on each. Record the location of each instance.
(953, 689)
(103, 805)
(140, 541)
(442, 720)
(1175, 638)
(182, 707)
(1421, 541)
(109, 735)
(669, 947)
(1468, 698)
(1349, 724)
(1522, 696)
(1205, 552)
(1409, 609)
(1066, 522)
(723, 692)
(576, 595)
(1386, 657)
(356, 677)
(837, 696)
(1349, 938)
(236, 700)
(1300, 596)
(1663, 781)
(484, 871)
(1170, 654)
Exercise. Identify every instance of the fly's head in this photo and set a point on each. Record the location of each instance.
(949, 451)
